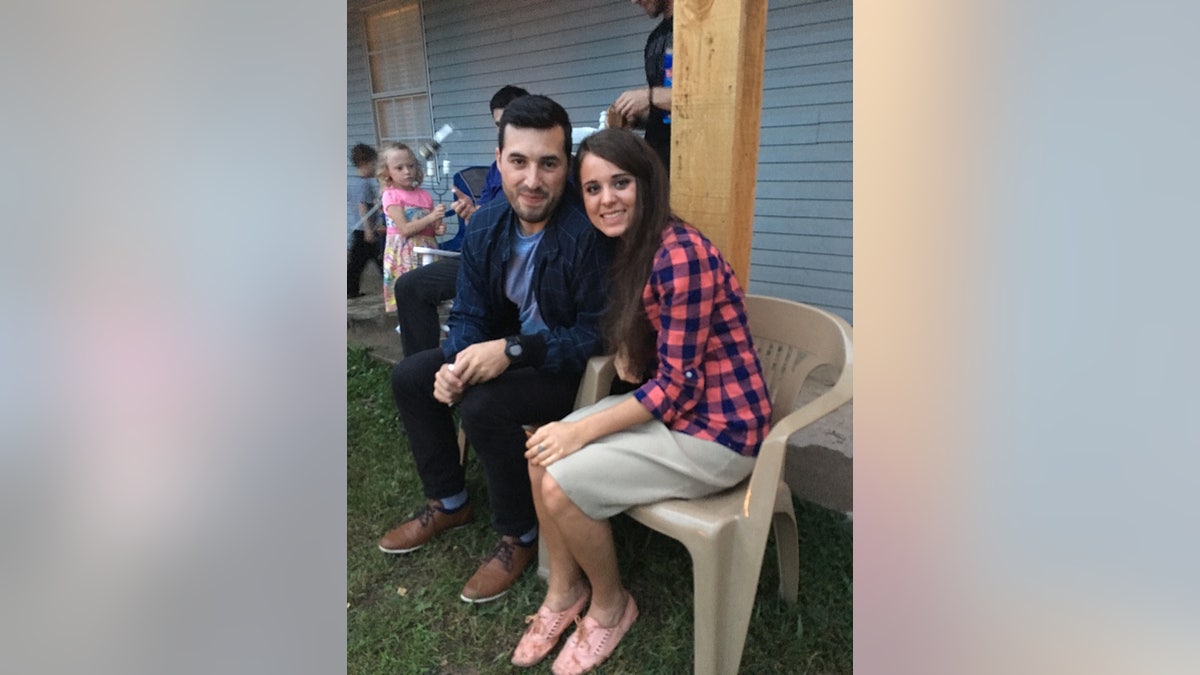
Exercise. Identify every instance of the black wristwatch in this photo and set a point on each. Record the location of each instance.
(512, 348)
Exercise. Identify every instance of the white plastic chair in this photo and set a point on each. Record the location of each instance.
(726, 533)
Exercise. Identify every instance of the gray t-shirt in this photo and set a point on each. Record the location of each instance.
(359, 190)
(518, 280)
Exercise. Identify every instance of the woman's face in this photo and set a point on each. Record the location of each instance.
(609, 194)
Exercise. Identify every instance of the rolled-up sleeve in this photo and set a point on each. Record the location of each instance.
(680, 293)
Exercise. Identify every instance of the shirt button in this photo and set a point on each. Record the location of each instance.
(689, 374)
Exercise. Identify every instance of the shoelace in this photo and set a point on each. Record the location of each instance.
(503, 551)
(539, 627)
(581, 636)
(542, 627)
(425, 515)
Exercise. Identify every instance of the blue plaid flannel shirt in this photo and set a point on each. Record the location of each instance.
(570, 279)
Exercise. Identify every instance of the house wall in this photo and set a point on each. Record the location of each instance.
(360, 117)
(583, 53)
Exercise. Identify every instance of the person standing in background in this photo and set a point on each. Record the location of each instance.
(650, 106)
(412, 218)
(364, 230)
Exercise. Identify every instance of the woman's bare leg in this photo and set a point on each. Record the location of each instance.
(566, 578)
(589, 545)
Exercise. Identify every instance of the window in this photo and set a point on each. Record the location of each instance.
(399, 83)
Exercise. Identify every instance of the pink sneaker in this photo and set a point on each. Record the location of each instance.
(545, 628)
(591, 643)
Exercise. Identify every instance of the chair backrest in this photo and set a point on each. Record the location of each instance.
(793, 340)
(469, 181)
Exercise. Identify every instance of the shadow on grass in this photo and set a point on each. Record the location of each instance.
(404, 614)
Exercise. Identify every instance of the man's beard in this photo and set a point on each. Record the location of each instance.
(534, 214)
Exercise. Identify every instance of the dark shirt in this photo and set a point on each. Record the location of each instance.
(570, 277)
(492, 187)
(658, 134)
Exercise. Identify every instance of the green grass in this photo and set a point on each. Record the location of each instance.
(404, 615)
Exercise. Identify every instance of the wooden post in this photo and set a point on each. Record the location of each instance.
(716, 102)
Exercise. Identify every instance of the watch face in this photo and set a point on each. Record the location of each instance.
(514, 349)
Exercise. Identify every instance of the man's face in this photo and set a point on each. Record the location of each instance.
(653, 8)
(533, 172)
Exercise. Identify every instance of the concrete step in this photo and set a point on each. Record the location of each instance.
(367, 324)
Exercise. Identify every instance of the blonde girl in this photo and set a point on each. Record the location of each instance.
(412, 219)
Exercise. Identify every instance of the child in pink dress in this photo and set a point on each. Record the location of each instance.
(412, 219)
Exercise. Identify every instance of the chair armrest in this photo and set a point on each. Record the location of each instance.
(774, 447)
(428, 254)
(597, 380)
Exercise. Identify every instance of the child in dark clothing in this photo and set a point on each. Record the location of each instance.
(364, 227)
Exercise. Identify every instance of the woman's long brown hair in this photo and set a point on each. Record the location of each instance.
(624, 323)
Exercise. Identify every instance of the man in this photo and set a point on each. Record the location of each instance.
(420, 292)
(531, 288)
(649, 106)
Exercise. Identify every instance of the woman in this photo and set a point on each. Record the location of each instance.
(677, 326)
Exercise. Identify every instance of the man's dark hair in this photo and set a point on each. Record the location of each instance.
(363, 154)
(536, 112)
(505, 95)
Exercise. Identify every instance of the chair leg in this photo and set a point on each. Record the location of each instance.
(724, 599)
(787, 546)
(543, 559)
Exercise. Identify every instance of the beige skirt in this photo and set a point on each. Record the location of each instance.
(643, 464)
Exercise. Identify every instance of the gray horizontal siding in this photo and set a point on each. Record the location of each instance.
(810, 261)
(583, 53)
(360, 118)
(802, 247)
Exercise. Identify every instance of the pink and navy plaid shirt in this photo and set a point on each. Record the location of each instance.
(709, 383)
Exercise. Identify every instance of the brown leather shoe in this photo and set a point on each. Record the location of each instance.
(503, 567)
(429, 521)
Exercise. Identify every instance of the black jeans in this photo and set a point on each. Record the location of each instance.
(360, 252)
(492, 414)
(418, 294)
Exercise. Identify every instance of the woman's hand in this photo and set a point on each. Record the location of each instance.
(551, 442)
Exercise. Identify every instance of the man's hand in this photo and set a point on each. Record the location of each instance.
(447, 386)
(634, 104)
(464, 206)
(480, 362)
